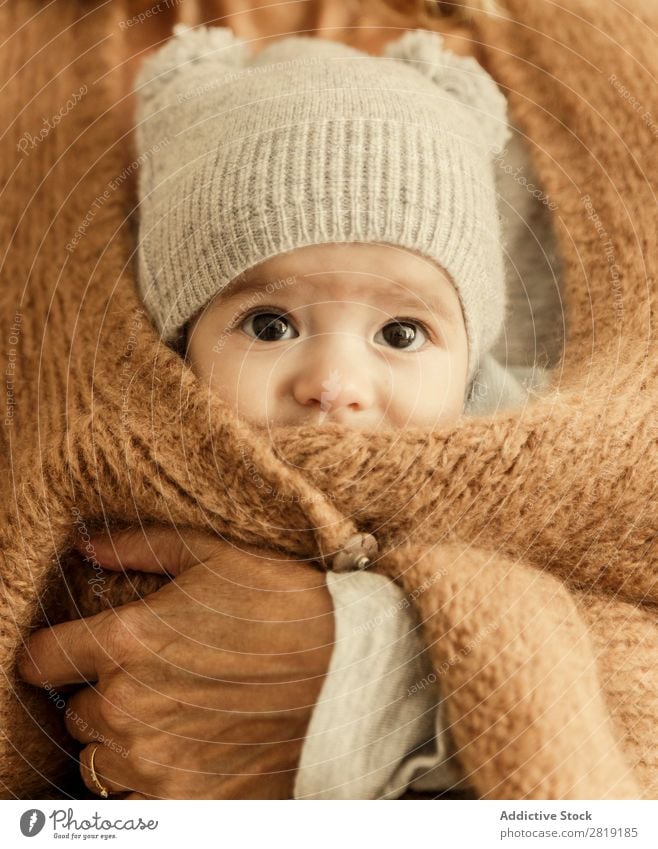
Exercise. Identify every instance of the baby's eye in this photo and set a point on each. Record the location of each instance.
(268, 326)
(403, 335)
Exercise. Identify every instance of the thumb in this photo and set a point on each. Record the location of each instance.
(161, 549)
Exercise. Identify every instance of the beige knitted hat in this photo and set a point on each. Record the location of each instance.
(314, 141)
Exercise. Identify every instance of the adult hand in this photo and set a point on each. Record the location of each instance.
(204, 688)
(368, 26)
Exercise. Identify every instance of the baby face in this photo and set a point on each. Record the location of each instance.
(364, 335)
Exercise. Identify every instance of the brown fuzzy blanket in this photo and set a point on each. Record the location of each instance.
(535, 528)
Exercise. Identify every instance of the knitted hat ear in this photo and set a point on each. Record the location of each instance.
(189, 51)
(460, 76)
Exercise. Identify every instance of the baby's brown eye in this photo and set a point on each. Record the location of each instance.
(267, 326)
(403, 335)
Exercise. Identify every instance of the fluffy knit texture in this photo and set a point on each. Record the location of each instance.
(313, 141)
(527, 539)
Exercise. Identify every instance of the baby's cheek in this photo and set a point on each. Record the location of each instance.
(429, 395)
(254, 388)
(451, 411)
(434, 411)
(451, 402)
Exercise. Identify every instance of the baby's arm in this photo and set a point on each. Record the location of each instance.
(379, 701)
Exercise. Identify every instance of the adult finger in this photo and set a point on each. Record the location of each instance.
(70, 653)
(101, 768)
(83, 718)
(147, 25)
(161, 549)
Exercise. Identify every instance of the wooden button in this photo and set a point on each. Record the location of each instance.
(357, 553)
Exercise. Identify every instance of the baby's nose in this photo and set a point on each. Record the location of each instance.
(333, 375)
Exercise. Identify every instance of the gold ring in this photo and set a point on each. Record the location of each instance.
(102, 790)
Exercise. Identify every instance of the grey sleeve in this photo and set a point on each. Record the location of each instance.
(496, 387)
(379, 705)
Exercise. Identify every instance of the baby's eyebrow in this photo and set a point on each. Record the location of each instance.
(433, 305)
(242, 288)
(402, 298)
